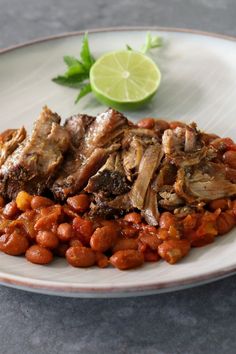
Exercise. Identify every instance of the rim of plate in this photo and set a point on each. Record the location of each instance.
(118, 29)
(56, 288)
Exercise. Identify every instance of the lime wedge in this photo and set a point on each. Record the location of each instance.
(124, 79)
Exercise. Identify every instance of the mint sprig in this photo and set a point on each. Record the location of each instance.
(77, 73)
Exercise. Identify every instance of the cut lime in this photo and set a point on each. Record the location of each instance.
(124, 79)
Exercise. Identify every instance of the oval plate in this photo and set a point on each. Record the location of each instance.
(199, 84)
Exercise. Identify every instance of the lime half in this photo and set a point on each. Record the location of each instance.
(124, 79)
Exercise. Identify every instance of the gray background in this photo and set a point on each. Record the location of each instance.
(199, 320)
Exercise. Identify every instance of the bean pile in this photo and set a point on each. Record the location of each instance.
(40, 229)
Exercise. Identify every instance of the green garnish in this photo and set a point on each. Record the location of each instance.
(78, 70)
(151, 42)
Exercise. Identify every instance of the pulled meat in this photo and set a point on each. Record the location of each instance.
(145, 168)
(148, 165)
(100, 138)
(150, 210)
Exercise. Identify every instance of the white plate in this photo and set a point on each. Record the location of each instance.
(199, 83)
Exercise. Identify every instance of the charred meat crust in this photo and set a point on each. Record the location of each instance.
(110, 179)
(102, 137)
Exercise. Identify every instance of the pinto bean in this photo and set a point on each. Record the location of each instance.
(229, 158)
(65, 232)
(38, 255)
(10, 211)
(103, 238)
(173, 250)
(14, 244)
(47, 239)
(127, 259)
(176, 124)
(38, 202)
(79, 203)
(74, 241)
(125, 244)
(225, 222)
(135, 218)
(146, 123)
(80, 256)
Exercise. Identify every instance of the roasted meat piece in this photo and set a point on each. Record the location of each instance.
(142, 196)
(76, 127)
(134, 144)
(204, 182)
(170, 200)
(32, 165)
(100, 138)
(150, 210)
(124, 167)
(9, 140)
(148, 165)
(183, 146)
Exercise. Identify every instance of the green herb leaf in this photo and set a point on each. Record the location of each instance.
(151, 42)
(85, 55)
(76, 69)
(85, 90)
(73, 81)
(70, 61)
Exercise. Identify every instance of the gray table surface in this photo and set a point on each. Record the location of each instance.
(198, 320)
